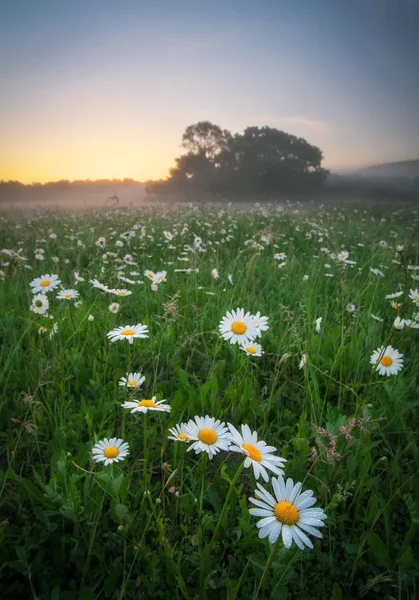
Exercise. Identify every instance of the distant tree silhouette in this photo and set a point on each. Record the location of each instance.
(261, 160)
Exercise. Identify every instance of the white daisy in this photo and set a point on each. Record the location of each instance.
(114, 307)
(145, 405)
(392, 296)
(258, 454)
(121, 292)
(215, 274)
(179, 434)
(132, 380)
(68, 294)
(44, 284)
(110, 450)
(128, 332)
(40, 304)
(318, 324)
(289, 513)
(280, 256)
(207, 435)
(238, 327)
(414, 295)
(412, 323)
(387, 361)
(399, 323)
(252, 348)
(342, 255)
(100, 286)
(303, 361)
(260, 324)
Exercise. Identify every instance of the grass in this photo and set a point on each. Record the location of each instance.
(169, 524)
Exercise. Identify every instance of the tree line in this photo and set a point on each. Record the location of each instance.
(259, 161)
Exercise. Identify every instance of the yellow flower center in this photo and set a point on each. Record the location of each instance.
(208, 436)
(132, 383)
(386, 361)
(68, 295)
(252, 452)
(128, 332)
(151, 275)
(251, 350)
(111, 452)
(147, 403)
(121, 293)
(238, 327)
(183, 437)
(45, 283)
(286, 513)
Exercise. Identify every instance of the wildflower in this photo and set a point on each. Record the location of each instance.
(40, 304)
(280, 256)
(121, 292)
(44, 284)
(414, 295)
(145, 405)
(288, 513)
(260, 324)
(318, 324)
(110, 450)
(351, 308)
(342, 255)
(90, 318)
(238, 327)
(392, 296)
(399, 323)
(258, 454)
(412, 323)
(114, 307)
(207, 435)
(179, 433)
(132, 380)
(252, 348)
(67, 294)
(305, 278)
(376, 318)
(100, 286)
(230, 278)
(377, 272)
(77, 277)
(303, 361)
(215, 274)
(168, 235)
(42, 329)
(128, 332)
(387, 361)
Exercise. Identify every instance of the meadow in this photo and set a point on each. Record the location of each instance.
(336, 282)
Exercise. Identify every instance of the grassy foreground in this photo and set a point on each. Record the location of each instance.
(166, 523)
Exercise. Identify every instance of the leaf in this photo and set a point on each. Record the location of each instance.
(379, 550)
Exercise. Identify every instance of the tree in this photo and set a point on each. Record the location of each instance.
(261, 160)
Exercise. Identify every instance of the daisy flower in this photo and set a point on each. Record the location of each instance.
(387, 361)
(121, 292)
(260, 324)
(288, 513)
(280, 256)
(145, 405)
(392, 296)
(258, 454)
(342, 255)
(414, 295)
(132, 380)
(215, 274)
(160, 276)
(68, 294)
(207, 435)
(100, 286)
(252, 348)
(110, 450)
(44, 284)
(318, 324)
(399, 323)
(179, 434)
(40, 304)
(150, 275)
(114, 307)
(128, 332)
(238, 327)
(168, 235)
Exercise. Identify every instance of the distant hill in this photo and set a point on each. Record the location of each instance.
(403, 169)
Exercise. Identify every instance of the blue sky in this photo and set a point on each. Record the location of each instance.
(95, 88)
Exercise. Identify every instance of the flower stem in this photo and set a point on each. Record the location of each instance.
(267, 567)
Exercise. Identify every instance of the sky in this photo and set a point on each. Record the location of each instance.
(96, 89)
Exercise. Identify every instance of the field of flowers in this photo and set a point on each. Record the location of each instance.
(210, 402)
